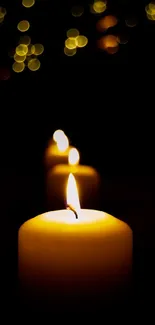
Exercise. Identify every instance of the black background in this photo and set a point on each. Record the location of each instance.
(105, 104)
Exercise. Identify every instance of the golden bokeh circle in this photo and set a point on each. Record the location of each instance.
(73, 32)
(99, 6)
(28, 3)
(70, 52)
(37, 49)
(30, 50)
(108, 41)
(34, 64)
(18, 67)
(25, 39)
(19, 58)
(23, 25)
(77, 11)
(2, 12)
(81, 41)
(21, 49)
(70, 43)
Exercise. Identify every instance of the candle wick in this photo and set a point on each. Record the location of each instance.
(69, 207)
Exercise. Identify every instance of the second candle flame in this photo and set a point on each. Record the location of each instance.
(72, 194)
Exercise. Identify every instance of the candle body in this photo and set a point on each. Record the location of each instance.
(88, 184)
(71, 260)
(53, 156)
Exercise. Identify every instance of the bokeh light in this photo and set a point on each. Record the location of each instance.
(70, 43)
(73, 32)
(2, 12)
(37, 49)
(106, 22)
(150, 11)
(21, 49)
(77, 11)
(23, 25)
(19, 58)
(99, 7)
(34, 64)
(69, 52)
(1, 20)
(25, 39)
(18, 67)
(73, 157)
(131, 22)
(30, 50)
(123, 39)
(81, 41)
(109, 43)
(63, 144)
(28, 3)
(58, 135)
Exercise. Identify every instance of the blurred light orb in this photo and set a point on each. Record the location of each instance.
(23, 25)
(25, 39)
(34, 64)
(99, 6)
(152, 7)
(81, 41)
(1, 20)
(21, 49)
(28, 3)
(30, 50)
(63, 144)
(112, 50)
(37, 49)
(73, 32)
(131, 22)
(106, 22)
(70, 52)
(18, 67)
(2, 12)
(77, 11)
(109, 43)
(58, 135)
(70, 43)
(123, 39)
(73, 157)
(19, 58)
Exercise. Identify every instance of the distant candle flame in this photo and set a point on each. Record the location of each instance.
(61, 139)
(73, 157)
(72, 194)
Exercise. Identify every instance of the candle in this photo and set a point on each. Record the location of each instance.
(75, 257)
(57, 150)
(87, 178)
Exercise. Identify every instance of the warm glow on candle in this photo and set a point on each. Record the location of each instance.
(73, 157)
(72, 193)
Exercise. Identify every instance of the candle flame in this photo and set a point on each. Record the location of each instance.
(61, 140)
(72, 193)
(73, 157)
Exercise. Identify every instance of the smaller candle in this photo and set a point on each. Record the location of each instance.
(57, 150)
(87, 178)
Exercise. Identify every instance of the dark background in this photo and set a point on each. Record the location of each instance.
(105, 104)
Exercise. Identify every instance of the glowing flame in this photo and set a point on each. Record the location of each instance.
(61, 140)
(72, 193)
(73, 157)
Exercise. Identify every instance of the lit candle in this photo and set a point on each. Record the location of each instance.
(57, 150)
(87, 178)
(72, 257)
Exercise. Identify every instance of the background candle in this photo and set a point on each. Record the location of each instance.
(74, 262)
(87, 178)
(57, 150)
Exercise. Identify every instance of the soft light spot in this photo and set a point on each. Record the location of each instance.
(69, 52)
(34, 64)
(19, 58)
(73, 157)
(25, 39)
(108, 41)
(23, 25)
(30, 50)
(18, 67)
(81, 41)
(70, 43)
(2, 12)
(106, 22)
(37, 49)
(21, 49)
(28, 3)
(131, 22)
(123, 39)
(58, 135)
(1, 20)
(99, 6)
(77, 11)
(73, 32)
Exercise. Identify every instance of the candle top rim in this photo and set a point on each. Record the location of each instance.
(82, 169)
